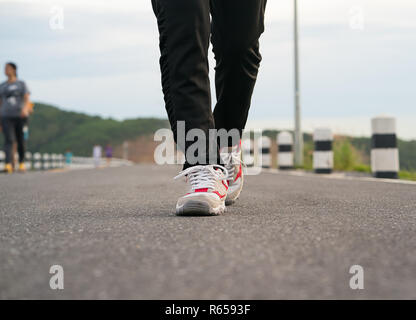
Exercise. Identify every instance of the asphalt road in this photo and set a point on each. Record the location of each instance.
(114, 233)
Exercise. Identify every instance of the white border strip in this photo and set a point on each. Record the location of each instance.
(337, 175)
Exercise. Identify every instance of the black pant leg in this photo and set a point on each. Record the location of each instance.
(19, 124)
(236, 29)
(184, 28)
(7, 125)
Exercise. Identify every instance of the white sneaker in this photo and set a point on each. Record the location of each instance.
(231, 158)
(208, 190)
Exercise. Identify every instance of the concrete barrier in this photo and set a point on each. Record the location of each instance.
(384, 152)
(285, 150)
(45, 161)
(28, 160)
(51, 160)
(323, 156)
(61, 161)
(37, 161)
(247, 150)
(264, 145)
(2, 160)
(54, 161)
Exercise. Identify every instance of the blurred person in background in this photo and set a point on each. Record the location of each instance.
(108, 154)
(15, 108)
(68, 157)
(96, 154)
(25, 134)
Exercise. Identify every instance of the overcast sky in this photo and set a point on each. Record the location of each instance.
(357, 60)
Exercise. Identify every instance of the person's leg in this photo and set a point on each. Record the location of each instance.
(9, 138)
(184, 27)
(236, 29)
(19, 124)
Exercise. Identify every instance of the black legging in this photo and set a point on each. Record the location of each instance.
(185, 28)
(13, 131)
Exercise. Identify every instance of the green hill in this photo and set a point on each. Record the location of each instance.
(55, 130)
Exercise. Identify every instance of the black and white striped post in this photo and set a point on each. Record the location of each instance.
(28, 161)
(264, 144)
(52, 161)
(45, 161)
(58, 160)
(61, 160)
(384, 152)
(55, 159)
(247, 150)
(2, 160)
(285, 150)
(37, 161)
(323, 157)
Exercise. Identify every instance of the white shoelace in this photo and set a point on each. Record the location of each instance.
(230, 160)
(201, 177)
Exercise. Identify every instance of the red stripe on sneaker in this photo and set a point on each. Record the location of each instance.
(206, 190)
(225, 185)
(238, 174)
(219, 194)
(198, 190)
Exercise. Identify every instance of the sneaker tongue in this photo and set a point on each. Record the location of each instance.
(203, 180)
(235, 148)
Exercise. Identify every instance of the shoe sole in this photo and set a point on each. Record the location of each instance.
(198, 208)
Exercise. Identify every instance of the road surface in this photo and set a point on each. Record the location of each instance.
(289, 237)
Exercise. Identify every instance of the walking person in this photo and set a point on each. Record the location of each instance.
(25, 116)
(108, 154)
(96, 154)
(14, 110)
(185, 29)
(68, 157)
